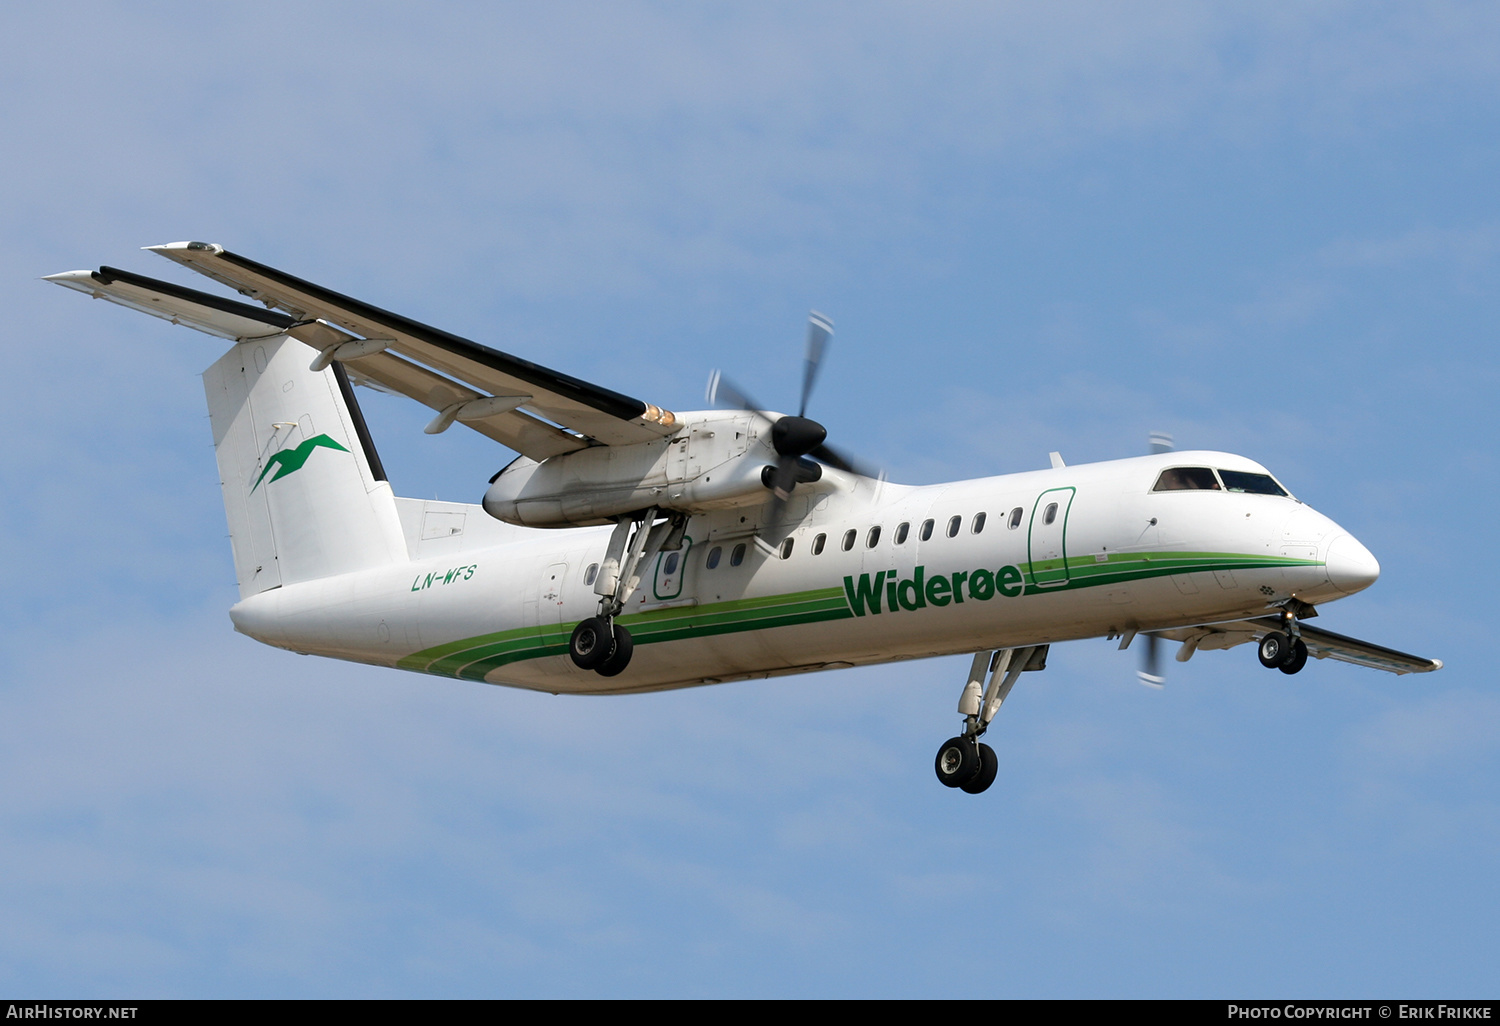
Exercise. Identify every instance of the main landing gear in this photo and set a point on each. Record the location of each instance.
(598, 643)
(964, 761)
(1284, 650)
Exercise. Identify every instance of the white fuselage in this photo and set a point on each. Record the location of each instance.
(487, 601)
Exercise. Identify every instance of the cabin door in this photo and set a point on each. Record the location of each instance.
(1047, 544)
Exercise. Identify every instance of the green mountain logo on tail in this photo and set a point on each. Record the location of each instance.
(290, 460)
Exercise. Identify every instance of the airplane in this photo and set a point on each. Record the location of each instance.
(627, 548)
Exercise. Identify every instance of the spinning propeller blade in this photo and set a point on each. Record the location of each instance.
(793, 438)
(819, 332)
(1150, 672)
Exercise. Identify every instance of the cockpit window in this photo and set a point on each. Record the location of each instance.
(1255, 484)
(1185, 479)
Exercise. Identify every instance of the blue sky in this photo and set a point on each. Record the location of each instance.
(1268, 230)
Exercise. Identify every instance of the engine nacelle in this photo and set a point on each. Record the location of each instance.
(714, 462)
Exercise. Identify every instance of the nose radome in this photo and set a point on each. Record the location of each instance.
(1351, 568)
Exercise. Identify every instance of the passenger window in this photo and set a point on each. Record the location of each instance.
(738, 555)
(953, 526)
(590, 574)
(713, 556)
(818, 544)
(926, 534)
(849, 537)
(1051, 514)
(1015, 518)
(1186, 479)
(874, 537)
(670, 566)
(901, 530)
(978, 523)
(786, 548)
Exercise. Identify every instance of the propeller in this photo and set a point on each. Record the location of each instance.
(1150, 673)
(793, 438)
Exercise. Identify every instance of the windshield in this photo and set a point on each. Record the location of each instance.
(1205, 479)
(1182, 479)
(1256, 484)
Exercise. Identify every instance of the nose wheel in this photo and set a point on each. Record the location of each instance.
(1283, 650)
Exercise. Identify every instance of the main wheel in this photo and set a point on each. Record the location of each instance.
(1296, 657)
(1274, 649)
(620, 657)
(957, 762)
(591, 644)
(989, 765)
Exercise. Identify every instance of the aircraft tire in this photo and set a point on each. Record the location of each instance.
(958, 762)
(1274, 649)
(1296, 657)
(619, 656)
(590, 644)
(989, 765)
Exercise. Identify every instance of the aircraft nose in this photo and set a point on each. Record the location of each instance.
(1351, 568)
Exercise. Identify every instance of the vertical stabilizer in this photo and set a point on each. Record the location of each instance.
(302, 499)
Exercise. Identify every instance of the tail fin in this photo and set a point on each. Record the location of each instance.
(303, 489)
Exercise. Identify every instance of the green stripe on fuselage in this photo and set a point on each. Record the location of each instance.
(473, 658)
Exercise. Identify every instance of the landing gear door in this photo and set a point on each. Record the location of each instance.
(1047, 543)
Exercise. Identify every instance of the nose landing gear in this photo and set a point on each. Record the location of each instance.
(965, 762)
(1283, 650)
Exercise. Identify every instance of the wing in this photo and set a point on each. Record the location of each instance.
(1321, 644)
(225, 318)
(598, 415)
(228, 318)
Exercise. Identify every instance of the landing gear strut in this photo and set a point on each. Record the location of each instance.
(964, 761)
(1284, 650)
(598, 643)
